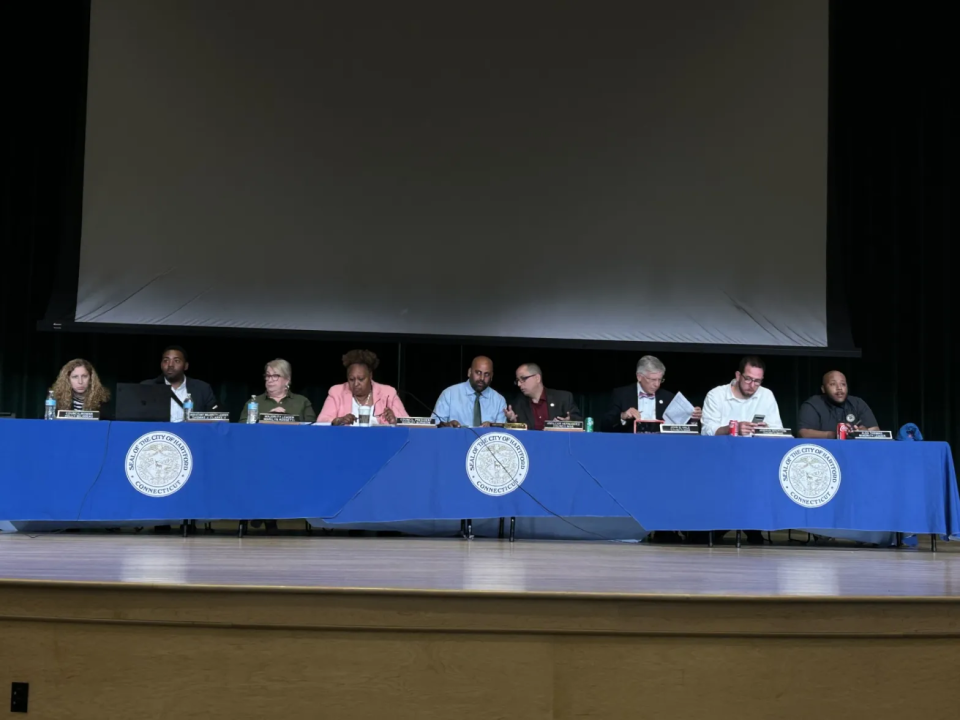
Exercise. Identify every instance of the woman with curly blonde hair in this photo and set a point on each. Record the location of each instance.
(78, 387)
(344, 402)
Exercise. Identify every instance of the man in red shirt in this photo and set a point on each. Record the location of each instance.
(536, 404)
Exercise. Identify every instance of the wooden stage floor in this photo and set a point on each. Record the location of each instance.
(122, 625)
(482, 566)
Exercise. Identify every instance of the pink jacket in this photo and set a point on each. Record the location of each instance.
(339, 402)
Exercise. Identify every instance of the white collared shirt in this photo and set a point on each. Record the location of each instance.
(721, 406)
(647, 407)
(176, 412)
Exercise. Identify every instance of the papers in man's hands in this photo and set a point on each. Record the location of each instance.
(679, 411)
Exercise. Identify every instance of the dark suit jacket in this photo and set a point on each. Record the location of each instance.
(625, 398)
(560, 403)
(203, 398)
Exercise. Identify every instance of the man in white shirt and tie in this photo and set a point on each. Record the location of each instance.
(744, 399)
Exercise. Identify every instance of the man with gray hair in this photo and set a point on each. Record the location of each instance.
(643, 400)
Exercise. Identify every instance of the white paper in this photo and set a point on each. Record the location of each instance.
(679, 411)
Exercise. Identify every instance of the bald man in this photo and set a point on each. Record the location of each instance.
(472, 403)
(820, 415)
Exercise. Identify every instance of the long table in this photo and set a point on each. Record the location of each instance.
(75, 471)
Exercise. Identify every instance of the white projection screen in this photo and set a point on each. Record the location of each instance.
(649, 171)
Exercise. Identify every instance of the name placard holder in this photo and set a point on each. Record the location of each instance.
(279, 419)
(680, 429)
(208, 417)
(773, 432)
(78, 414)
(416, 422)
(647, 426)
(870, 435)
(564, 425)
(510, 426)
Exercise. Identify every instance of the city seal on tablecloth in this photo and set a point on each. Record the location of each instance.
(497, 463)
(158, 464)
(810, 475)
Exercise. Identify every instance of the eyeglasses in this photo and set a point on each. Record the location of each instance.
(654, 379)
(523, 379)
(751, 381)
(271, 376)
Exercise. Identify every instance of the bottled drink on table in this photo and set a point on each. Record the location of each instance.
(187, 407)
(589, 424)
(253, 410)
(50, 407)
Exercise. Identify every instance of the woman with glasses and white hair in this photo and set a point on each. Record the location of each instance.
(278, 398)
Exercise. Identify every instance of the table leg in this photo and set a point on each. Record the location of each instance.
(738, 539)
(513, 529)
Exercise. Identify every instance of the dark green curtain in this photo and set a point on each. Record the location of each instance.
(893, 156)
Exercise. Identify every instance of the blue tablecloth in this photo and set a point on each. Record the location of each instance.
(78, 471)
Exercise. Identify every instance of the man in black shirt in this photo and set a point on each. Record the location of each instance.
(820, 415)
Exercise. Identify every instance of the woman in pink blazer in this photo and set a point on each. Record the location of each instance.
(343, 403)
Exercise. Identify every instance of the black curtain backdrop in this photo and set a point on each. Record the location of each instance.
(892, 218)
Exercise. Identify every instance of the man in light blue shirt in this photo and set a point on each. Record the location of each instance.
(472, 403)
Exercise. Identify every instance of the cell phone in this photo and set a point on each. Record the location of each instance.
(757, 419)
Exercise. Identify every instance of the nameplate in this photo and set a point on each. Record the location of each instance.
(869, 435)
(564, 425)
(772, 432)
(207, 417)
(510, 426)
(680, 429)
(78, 414)
(416, 422)
(279, 418)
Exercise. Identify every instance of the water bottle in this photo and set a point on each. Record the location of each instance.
(589, 424)
(50, 407)
(187, 407)
(253, 410)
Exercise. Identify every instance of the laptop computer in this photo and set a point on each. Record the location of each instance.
(144, 403)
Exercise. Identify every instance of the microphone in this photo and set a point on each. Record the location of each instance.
(430, 410)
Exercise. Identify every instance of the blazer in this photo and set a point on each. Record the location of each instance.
(560, 403)
(202, 394)
(625, 398)
(339, 402)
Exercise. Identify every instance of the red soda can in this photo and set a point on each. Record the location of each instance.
(841, 431)
(734, 427)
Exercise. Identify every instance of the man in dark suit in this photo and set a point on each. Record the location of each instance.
(643, 400)
(646, 400)
(173, 368)
(535, 404)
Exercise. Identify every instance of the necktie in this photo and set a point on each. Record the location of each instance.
(647, 396)
(477, 417)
